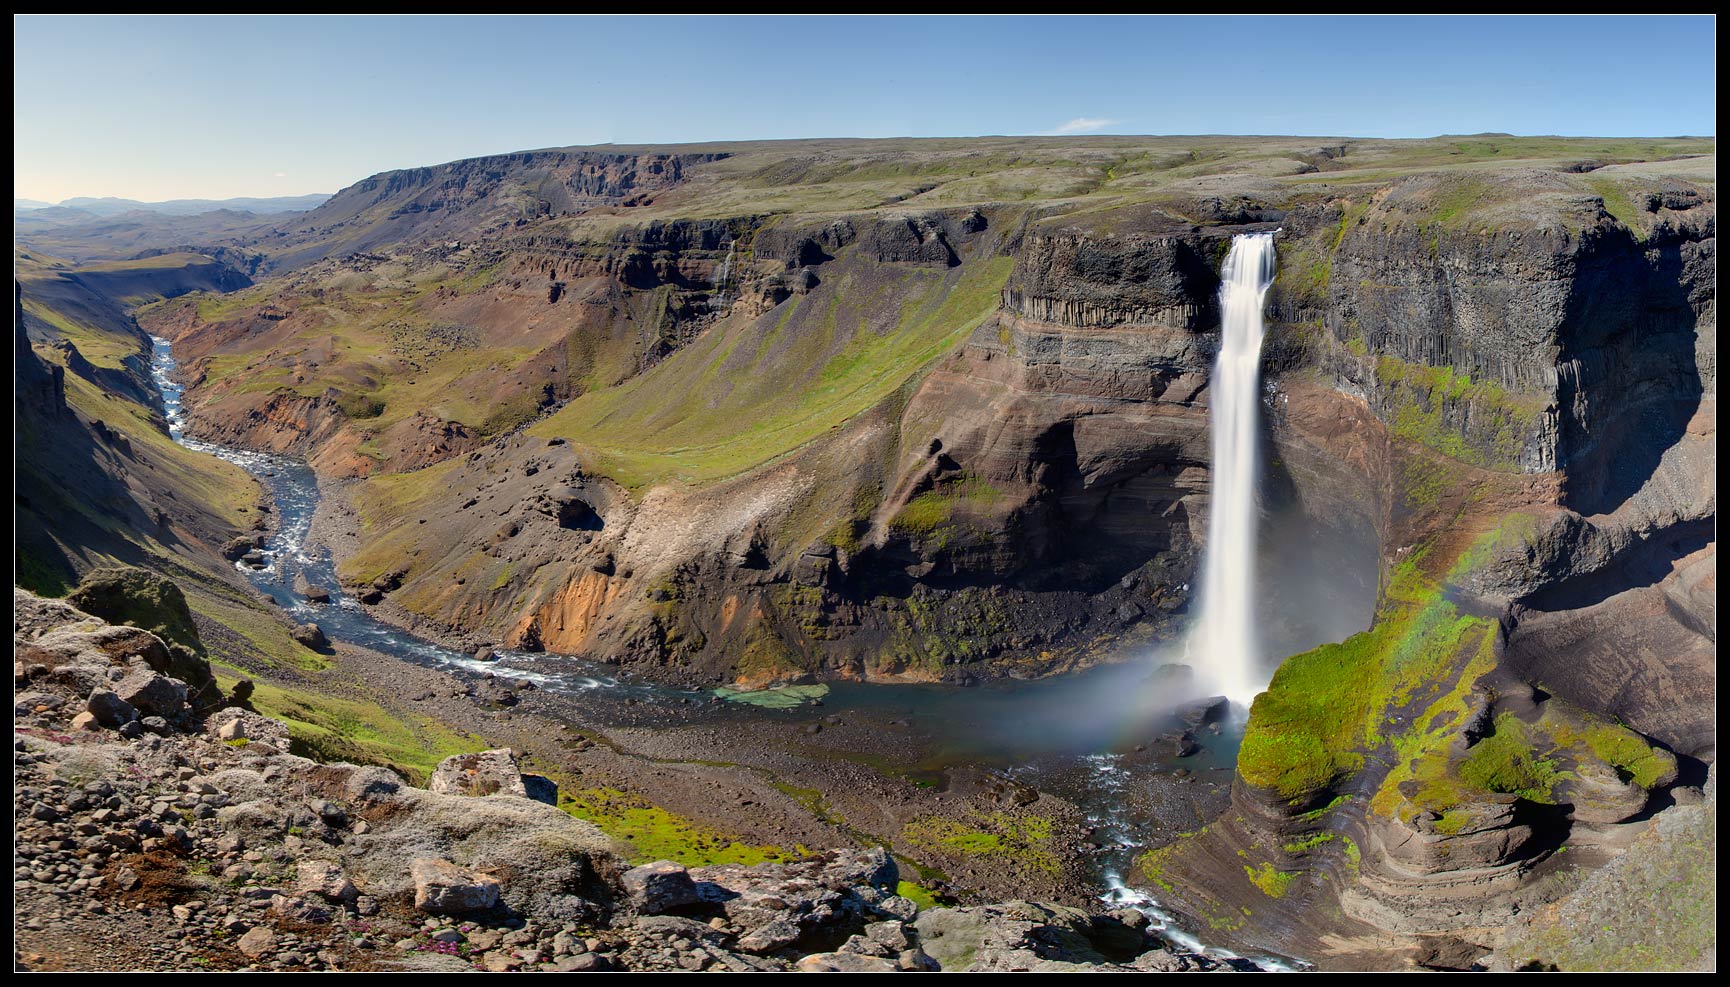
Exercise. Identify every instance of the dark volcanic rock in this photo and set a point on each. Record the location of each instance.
(312, 636)
(660, 887)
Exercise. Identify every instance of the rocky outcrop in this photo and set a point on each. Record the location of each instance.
(493, 772)
(258, 859)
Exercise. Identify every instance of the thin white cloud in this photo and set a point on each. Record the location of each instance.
(280, 174)
(1081, 125)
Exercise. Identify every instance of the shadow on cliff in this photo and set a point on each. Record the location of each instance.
(1633, 336)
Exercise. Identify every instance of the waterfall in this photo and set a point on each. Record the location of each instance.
(722, 274)
(1222, 642)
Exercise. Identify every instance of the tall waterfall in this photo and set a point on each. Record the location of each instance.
(1222, 643)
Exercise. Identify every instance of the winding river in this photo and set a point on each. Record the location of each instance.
(1073, 735)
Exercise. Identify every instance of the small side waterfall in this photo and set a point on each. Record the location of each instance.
(723, 274)
(1222, 643)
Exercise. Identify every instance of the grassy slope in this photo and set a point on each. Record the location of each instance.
(743, 395)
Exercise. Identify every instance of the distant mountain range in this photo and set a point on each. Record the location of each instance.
(111, 206)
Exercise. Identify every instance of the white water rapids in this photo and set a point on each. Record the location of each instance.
(1222, 644)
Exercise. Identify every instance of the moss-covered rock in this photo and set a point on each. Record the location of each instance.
(126, 595)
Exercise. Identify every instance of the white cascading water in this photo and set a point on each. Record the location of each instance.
(1222, 642)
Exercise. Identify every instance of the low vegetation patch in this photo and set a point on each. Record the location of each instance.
(653, 833)
(1024, 841)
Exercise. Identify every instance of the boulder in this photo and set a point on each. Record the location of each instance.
(491, 772)
(660, 887)
(769, 937)
(443, 888)
(312, 636)
(234, 723)
(143, 599)
(109, 709)
(1201, 712)
(845, 963)
(152, 693)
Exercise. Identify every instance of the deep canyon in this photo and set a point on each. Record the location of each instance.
(919, 431)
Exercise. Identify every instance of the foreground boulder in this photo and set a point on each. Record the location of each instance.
(492, 772)
(660, 887)
(152, 693)
(443, 888)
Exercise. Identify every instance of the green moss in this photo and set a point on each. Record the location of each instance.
(1643, 763)
(1507, 762)
(654, 833)
(1152, 865)
(1325, 708)
(919, 895)
(1309, 843)
(764, 657)
(1453, 821)
(1271, 882)
(1423, 481)
(1353, 854)
(1421, 752)
(1315, 814)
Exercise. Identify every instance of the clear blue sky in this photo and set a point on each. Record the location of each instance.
(154, 108)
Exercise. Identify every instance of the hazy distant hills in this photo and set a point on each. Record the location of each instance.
(111, 206)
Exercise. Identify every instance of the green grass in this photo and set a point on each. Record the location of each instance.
(1026, 842)
(101, 347)
(690, 420)
(653, 833)
(917, 894)
(327, 727)
(1618, 204)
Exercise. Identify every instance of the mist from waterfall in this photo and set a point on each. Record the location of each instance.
(1222, 644)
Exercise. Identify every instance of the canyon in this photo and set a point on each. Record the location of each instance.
(762, 415)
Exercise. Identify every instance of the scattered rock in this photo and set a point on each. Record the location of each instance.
(258, 943)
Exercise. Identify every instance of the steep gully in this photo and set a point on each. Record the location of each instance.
(1044, 747)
